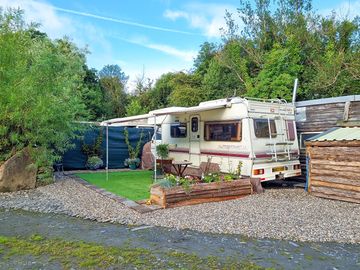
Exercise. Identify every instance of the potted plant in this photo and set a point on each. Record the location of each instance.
(162, 151)
(133, 161)
(93, 152)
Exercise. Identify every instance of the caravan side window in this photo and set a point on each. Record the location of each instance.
(223, 131)
(261, 127)
(290, 130)
(178, 130)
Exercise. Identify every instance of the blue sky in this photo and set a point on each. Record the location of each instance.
(154, 36)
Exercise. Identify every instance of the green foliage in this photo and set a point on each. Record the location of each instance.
(93, 96)
(135, 108)
(132, 161)
(94, 163)
(115, 97)
(113, 71)
(39, 97)
(93, 149)
(281, 67)
(162, 150)
(202, 61)
(212, 177)
(133, 152)
(83, 255)
(45, 176)
(164, 183)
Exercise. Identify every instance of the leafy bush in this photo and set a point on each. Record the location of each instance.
(133, 152)
(164, 183)
(40, 100)
(162, 150)
(93, 149)
(45, 176)
(212, 177)
(94, 163)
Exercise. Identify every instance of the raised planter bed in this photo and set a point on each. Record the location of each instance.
(200, 193)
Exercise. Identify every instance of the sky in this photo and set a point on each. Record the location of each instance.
(149, 37)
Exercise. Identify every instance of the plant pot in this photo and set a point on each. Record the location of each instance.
(132, 166)
(164, 161)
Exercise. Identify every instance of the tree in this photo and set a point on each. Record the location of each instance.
(275, 80)
(186, 90)
(113, 81)
(135, 108)
(92, 95)
(202, 61)
(39, 98)
(113, 71)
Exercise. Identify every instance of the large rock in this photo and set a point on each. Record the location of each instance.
(16, 174)
(147, 158)
(256, 185)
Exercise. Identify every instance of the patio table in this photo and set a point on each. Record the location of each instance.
(180, 167)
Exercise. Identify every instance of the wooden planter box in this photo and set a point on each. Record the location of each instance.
(200, 193)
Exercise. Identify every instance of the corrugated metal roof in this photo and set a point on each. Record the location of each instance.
(339, 134)
(322, 101)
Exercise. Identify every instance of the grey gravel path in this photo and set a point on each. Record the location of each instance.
(290, 214)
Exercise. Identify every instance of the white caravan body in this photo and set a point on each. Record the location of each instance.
(261, 134)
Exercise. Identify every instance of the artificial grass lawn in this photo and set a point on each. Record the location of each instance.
(134, 185)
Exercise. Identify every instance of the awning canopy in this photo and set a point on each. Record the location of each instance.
(167, 111)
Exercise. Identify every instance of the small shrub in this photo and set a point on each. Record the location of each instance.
(94, 163)
(164, 183)
(45, 176)
(212, 177)
(228, 177)
(162, 150)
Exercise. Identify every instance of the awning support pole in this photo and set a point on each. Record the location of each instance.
(155, 135)
(107, 151)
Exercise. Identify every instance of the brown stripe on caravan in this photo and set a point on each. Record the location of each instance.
(224, 154)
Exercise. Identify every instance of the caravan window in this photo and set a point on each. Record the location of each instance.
(261, 127)
(178, 130)
(223, 131)
(194, 124)
(290, 130)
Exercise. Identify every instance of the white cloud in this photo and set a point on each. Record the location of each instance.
(152, 73)
(54, 25)
(57, 25)
(120, 21)
(209, 18)
(186, 55)
(344, 10)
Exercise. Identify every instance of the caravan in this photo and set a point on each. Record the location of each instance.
(260, 135)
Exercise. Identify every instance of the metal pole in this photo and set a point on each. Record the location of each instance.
(155, 133)
(107, 151)
(295, 90)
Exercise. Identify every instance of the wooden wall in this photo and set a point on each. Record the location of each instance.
(322, 117)
(334, 170)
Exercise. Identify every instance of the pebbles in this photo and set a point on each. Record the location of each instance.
(290, 214)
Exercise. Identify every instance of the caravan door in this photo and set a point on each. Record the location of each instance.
(194, 144)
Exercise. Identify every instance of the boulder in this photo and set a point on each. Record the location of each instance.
(16, 174)
(256, 185)
(147, 159)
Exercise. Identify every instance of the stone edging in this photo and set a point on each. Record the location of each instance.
(125, 201)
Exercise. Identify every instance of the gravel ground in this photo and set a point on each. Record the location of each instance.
(289, 214)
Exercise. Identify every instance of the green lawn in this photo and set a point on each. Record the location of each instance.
(134, 185)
